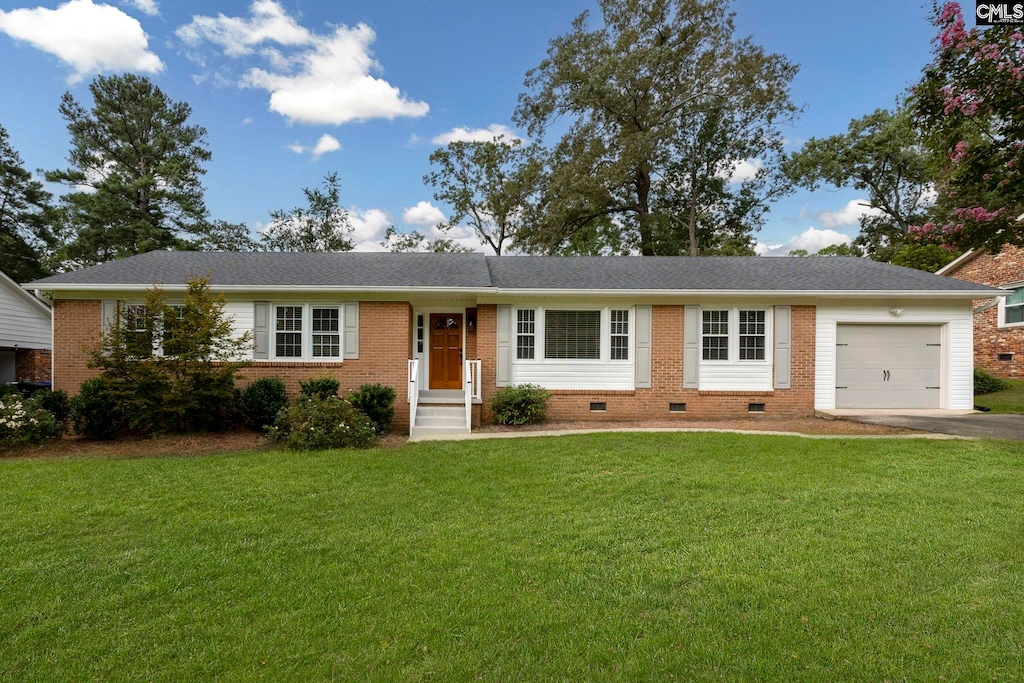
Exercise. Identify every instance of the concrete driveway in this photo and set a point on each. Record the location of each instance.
(982, 425)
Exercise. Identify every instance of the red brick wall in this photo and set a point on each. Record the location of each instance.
(76, 330)
(990, 340)
(32, 365)
(385, 331)
(667, 378)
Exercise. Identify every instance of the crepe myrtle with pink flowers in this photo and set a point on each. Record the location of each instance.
(971, 108)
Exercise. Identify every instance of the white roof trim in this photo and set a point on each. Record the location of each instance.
(541, 292)
(958, 261)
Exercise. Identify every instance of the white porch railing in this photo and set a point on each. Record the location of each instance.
(413, 391)
(471, 371)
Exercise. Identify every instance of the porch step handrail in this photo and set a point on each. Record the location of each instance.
(471, 372)
(413, 391)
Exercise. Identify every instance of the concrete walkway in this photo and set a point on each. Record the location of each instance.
(977, 425)
(763, 432)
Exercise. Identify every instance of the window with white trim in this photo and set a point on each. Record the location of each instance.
(620, 335)
(326, 326)
(288, 331)
(752, 335)
(526, 333)
(1013, 307)
(138, 338)
(572, 335)
(170, 325)
(715, 335)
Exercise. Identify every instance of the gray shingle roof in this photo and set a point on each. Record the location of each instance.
(475, 271)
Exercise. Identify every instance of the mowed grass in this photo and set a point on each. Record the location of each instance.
(1008, 401)
(597, 557)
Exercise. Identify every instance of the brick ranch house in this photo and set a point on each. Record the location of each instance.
(998, 324)
(25, 324)
(616, 338)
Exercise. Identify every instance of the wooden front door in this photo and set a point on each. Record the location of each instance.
(445, 350)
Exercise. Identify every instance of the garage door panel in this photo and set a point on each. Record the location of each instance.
(888, 366)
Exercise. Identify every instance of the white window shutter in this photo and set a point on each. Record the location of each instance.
(109, 307)
(691, 347)
(261, 330)
(643, 347)
(504, 357)
(352, 330)
(783, 346)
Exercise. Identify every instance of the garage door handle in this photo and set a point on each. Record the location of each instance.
(885, 375)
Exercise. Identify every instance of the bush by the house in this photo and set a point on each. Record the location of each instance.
(985, 383)
(262, 400)
(520, 404)
(93, 412)
(57, 404)
(25, 421)
(313, 423)
(321, 387)
(377, 402)
(170, 366)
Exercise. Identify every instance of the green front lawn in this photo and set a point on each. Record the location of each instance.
(608, 557)
(1009, 401)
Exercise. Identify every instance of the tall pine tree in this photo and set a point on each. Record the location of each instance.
(25, 217)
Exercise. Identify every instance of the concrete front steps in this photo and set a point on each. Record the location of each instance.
(439, 420)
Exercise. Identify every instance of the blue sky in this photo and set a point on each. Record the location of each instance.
(404, 74)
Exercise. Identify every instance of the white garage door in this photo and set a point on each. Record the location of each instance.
(888, 366)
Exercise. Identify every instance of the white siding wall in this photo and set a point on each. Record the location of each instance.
(22, 323)
(957, 346)
(737, 376)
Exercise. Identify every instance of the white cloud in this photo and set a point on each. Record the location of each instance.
(463, 134)
(746, 169)
(145, 6)
(90, 38)
(368, 228)
(247, 120)
(326, 143)
(326, 79)
(424, 213)
(848, 215)
(810, 240)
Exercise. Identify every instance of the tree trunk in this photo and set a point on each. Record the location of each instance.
(643, 202)
(693, 216)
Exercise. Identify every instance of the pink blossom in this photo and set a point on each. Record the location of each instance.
(959, 153)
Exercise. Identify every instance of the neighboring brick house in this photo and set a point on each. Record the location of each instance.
(617, 338)
(998, 323)
(25, 340)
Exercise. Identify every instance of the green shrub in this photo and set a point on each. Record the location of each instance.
(984, 383)
(25, 421)
(321, 387)
(315, 424)
(94, 413)
(377, 402)
(520, 404)
(57, 404)
(262, 400)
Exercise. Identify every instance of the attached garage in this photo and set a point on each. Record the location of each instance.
(888, 366)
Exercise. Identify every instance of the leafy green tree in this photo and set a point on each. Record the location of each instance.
(26, 216)
(969, 106)
(135, 169)
(635, 93)
(842, 249)
(323, 225)
(489, 185)
(399, 242)
(171, 366)
(225, 236)
(880, 154)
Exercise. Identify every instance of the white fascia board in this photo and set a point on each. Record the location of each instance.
(492, 292)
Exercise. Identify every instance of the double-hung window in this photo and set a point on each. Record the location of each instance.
(752, 335)
(138, 337)
(171, 323)
(526, 333)
(288, 331)
(620, 335)
(734, 335)
(326, 332)
(572, 335)
(715, 335)
(1013, 307)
